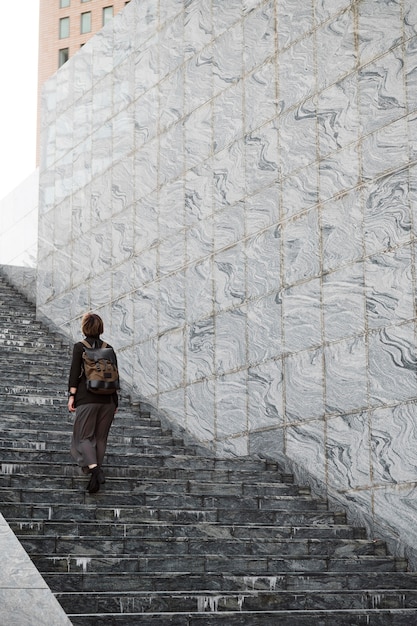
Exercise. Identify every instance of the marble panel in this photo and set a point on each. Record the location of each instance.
(62, 304)
(145, 368)
(121, 328)
(383, 148)
(123, 34)
(231, 404)
(79, 300)
(102, 144)
(100, 199)
(123, 279)
(83, 117)
(264, 328)
(171, 99)
(300, 238)
(146, 116)
(145, 312)
(233, 447)
(61, 275)
(146, 169)
(300, 191)
(296, 73)
(259, 36)
(198, 26)
(146, 222)
(81, 164)
(260, 96)
(338, 115)
(266, 444)
(294, 19)
(171, 46)
(63, 178)
(336, 41)
(324, 9)
(229, 226)
(145, 267)
(261, 154)
(262, 209)
(229, 175)
(172, 302)
(392, 365)
(64, 87)
(263, 262)
(171, 208)
(47, 147)
(102, 54)
(305, 445)
(346, 380)
(123, 85)
(172, 403)
(171, 353)
(412, 130)
(344, 302)
(410, 18)
(230, 340)
(225, 14)
(379, 27)
(199, 240)
(171, 163)
(123, 134)
(80, 269)
(123, 237)
(122, 185)
(62, 224)
(298, 137)
(26, 607)
(227, 58)
(198, 88)
(48, 102)
(413, 196)
(389, 298)
(199, 290)
(348, 451)
(396, 512)
(387, 221)
(169, 9)
(265, 395)
(64, 125)
(303, 379)
(302, 320)
(381, 92)
(200, 409)
(394, 443)
(339, 172)
(102, 102)
(229, 277)
(100, 290)
(198, 193)
(146, 65)
(198, 136)
(342, 230)
(227, 117)
(200, 350)
(172, 253)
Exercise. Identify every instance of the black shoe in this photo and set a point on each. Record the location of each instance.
(101, 477)
(94, 484)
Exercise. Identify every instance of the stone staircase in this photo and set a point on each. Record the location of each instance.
(173, 537)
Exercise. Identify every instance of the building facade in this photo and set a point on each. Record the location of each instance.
(64, 27)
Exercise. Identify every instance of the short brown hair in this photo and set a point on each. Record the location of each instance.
(92, 325)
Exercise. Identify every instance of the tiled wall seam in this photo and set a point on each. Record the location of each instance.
(233, 187)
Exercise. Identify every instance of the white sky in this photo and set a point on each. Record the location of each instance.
(18, 80)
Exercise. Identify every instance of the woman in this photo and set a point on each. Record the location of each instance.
(93, 413)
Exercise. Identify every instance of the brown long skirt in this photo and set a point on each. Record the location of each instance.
(90, 432)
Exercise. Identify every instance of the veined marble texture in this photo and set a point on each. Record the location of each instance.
(344, 302)
(303, 376)
(302, 321)
(388, 279)
(380, 27)
(393, 440)
(242, 176)
(265, 395)
(387, 212)
(336, 39)
(346, 380)
(348, 450)
(381, 91)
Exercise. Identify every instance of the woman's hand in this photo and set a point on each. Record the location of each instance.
(71, 404)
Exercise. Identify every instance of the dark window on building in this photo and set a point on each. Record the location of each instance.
(63, 56)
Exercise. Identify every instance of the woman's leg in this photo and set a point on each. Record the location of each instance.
(83, 444)
(104, 421)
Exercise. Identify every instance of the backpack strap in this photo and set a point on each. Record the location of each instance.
(87, 345)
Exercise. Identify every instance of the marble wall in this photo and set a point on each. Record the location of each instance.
(233, 187)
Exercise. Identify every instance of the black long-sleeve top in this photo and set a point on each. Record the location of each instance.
(77, 378)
